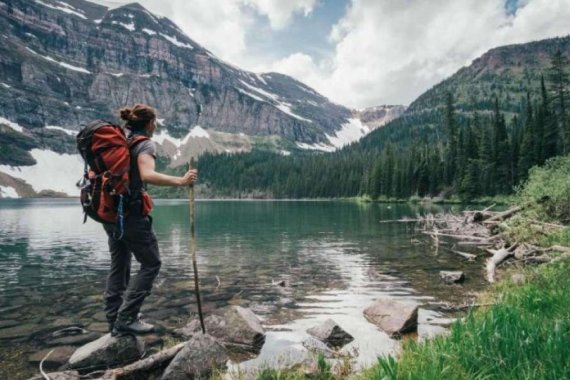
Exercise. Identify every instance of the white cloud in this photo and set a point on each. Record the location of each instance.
(383, 51)
(392, 51)
(280, 12)
(222, 25)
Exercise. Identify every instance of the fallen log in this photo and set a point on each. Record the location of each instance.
(498, 257)
(502, 216)
(468, 256)
(141, 366)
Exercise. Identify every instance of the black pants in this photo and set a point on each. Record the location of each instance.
(124, 298)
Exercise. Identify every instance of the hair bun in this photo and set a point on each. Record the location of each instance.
(126, 114)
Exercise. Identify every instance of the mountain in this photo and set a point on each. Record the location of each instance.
(65, 63)
(504, 73)
(379, 116)
(496, 136)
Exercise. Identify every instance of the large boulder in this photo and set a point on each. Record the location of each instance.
(394, 317)
(197, 359)
(451, 277)
(107, 352)
(331, 333)
(233, 326)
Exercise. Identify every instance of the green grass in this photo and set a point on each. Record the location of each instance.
(525, 336)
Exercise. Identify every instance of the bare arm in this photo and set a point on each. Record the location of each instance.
(149, 175)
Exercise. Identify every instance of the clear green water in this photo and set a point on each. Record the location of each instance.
(336, 255)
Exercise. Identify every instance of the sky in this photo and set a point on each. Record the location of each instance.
(362, 53)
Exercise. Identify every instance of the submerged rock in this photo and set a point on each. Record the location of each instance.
(331, 333)
(197, 359)
(56, 359)
(451, 277)
(18, 332)
(107, 352)
(234, 326)
(393, 316)
(8, 323)
(65, 375)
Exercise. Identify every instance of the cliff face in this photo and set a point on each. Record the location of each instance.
(66, 63)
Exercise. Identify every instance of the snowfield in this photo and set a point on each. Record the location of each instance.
(14, 126)
(66, 131)
(53, 171)
(64, 8)
(173, 40)
(8, 192)
(352, 131)
(130, 27)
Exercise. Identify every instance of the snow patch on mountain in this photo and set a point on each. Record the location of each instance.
(64, 7)
(195, 133)
(14, 126)
(352, 131)
(150, 32)
(66, 131)
(282, 106)
(8, 192)
(173, 40)
(250, 94)
(318, 146)
(62, 64)
(130, 27)
(53, 171)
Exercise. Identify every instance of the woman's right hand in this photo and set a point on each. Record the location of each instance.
(189, 178)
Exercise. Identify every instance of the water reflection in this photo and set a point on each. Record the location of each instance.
(335, 258)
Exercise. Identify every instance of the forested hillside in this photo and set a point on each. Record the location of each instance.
(475, 134)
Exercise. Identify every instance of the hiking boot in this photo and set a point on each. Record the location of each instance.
(135, 326)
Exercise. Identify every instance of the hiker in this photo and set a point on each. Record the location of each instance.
(124, 296)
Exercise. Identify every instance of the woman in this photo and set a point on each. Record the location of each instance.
(124, 298)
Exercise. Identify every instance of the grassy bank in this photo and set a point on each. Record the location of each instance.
(525, 335)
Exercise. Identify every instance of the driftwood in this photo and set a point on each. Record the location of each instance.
(498, 257)
(500, 217)
(148, 364)
(468, 256)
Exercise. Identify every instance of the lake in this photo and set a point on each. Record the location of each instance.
(336, 256)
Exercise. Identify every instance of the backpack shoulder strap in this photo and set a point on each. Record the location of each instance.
(137, 139)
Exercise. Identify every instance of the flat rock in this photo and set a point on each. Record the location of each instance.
(331, 333)
(74, 340)
(107, 352)
(56, 359)
(234, 325)
(451, 277)
(197, 359)
(65, 375)
(394, 317)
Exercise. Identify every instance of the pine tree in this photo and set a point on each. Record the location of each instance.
(546, 124)
(558, 76)
(452, 140)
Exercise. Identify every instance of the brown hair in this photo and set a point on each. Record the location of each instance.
(137, 117)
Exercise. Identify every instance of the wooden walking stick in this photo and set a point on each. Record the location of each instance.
(193, 247)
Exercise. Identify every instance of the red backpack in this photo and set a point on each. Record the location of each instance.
(105, 184)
